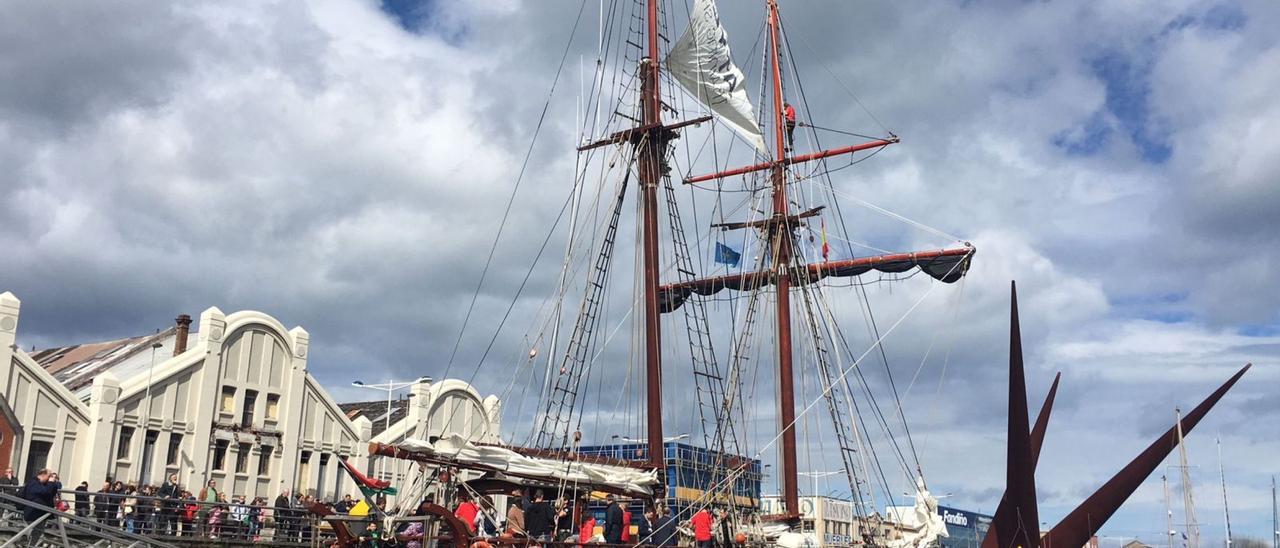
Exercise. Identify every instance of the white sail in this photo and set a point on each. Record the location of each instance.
(700, 61)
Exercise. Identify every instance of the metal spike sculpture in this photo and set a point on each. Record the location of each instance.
(1015, 524)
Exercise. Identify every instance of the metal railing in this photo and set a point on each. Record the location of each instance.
(67, 529)
(167, 520)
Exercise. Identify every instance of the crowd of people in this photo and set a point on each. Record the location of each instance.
(536, 518)
(172, 510)
(168, 509)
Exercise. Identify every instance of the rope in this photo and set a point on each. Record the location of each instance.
(537, 130)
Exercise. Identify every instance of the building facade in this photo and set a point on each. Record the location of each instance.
(229, 401)
(832, 521)
(432, 409)
(965, 529)
(690, 472)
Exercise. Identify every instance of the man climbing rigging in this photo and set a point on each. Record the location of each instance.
(789, 113)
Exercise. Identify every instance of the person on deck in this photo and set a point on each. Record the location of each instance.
(665, 533)
(343, 506)
(588, 528)
(701, 524)
(541, 518)
(466, 511)
(515, 518)
(644, 532)
(626, 526)
(789, 113)
(612, 521)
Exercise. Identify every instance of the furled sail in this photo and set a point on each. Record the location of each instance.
(701, 63)
(945, 265)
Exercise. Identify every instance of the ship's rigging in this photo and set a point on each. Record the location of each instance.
(780, 271)
(634, 148)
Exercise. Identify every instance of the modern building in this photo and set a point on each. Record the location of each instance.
(230, 402)
(965, 529)
(691, 472)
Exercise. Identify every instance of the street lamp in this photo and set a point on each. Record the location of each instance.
(646, 440)
(819, 474)
(146, 419)
(390, 387)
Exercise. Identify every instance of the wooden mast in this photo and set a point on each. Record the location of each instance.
(652, 151)
(781, 245)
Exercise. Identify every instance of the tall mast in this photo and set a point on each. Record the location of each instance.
(1168, 512)
(781, 242)
(652, 150)
(1275, 517)
(1188, 503)
(1226, 514)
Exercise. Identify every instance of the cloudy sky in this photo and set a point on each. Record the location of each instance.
(343, 165)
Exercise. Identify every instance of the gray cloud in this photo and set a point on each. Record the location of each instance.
(319, 162)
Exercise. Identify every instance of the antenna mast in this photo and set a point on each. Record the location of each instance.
(1168, 511)
(1188, 503)
(1275, 527)
(1226, 514)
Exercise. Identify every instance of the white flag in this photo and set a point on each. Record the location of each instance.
(700, 61)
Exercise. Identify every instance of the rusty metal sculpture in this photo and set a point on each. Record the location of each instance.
(1015, 524)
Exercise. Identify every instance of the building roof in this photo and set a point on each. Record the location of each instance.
(376, 412)
(75, 366)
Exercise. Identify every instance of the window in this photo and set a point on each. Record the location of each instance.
(148, 455)
(324, 467)
(273, 407)
(220, 454)
(250, 401)
(304, 471)
(175, 449)
(228, 399)
(126, 441)
(264, 460)
(242, 458)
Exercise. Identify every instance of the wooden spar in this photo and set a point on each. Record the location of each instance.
(813, 272)
(635, 134)
(782, 241)
(794, 160)
(444, 462)
(651, 151)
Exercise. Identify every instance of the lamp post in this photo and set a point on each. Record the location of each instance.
(146, 419)
(390, 387)
(819, 474)
(646, 440)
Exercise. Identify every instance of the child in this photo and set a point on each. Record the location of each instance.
(215, 520)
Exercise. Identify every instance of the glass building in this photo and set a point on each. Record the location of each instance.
(691, 472)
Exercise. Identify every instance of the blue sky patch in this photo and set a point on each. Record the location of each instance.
(1128, 91)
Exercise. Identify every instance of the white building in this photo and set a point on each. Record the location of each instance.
(832, 521)
(431, 409)
(235, 405)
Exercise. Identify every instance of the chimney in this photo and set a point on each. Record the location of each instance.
(184, 328)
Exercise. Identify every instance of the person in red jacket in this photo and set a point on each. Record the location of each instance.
(587, 529)
(626, 526)
(789, 113)
(467, 511)
(701, 523)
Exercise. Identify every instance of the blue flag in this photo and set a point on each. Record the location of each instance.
(726, 255)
